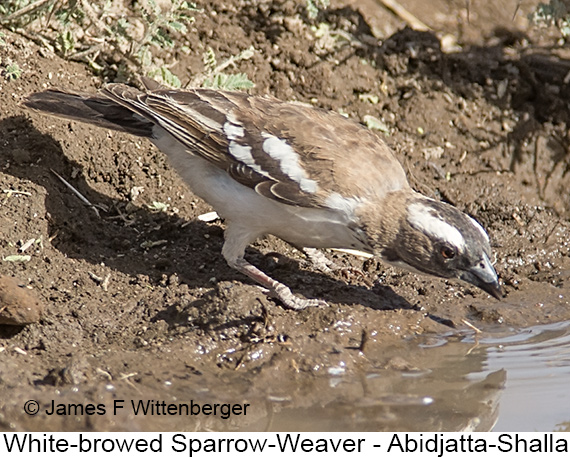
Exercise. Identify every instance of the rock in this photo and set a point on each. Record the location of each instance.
(18, 305)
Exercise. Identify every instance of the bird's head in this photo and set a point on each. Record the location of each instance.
(436, 238)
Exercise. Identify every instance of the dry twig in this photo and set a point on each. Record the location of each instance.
(405, 15)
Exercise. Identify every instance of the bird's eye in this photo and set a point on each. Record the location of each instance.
(447, 252)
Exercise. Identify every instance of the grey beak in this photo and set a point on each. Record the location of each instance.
(484, 276)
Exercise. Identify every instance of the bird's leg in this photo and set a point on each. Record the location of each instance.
(319, 260)
(277, 289)
(237, 239)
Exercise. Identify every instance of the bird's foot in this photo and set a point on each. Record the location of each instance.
(284, 294)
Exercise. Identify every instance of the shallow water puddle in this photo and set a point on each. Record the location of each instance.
(501, 382)
(537, 361)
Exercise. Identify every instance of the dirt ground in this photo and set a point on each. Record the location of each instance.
(139, 303)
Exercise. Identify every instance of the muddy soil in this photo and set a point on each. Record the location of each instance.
(137, 300)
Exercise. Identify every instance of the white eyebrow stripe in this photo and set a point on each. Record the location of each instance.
(422, 218)
(288, 159)
(480, 228)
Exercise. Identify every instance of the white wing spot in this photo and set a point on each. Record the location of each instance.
(243, 154)
(233, 131)
(288, 159)
(422, 218)
(347, 205)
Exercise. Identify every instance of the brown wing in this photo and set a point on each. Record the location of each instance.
(289, 152)
(293, 153)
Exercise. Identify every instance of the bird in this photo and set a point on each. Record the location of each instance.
(307, 175)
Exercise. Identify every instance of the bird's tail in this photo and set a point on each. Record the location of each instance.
(90, 108)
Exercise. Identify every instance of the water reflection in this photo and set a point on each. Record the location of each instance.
(537, 360)
(504, 381)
